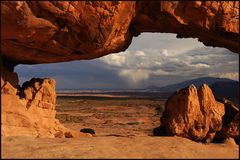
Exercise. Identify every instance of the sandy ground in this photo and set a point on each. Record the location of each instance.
(123, 117)
(114, 147)
(123, 130)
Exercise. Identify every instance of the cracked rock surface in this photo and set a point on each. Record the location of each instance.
(56, 31)
(194, 114)
(30, 110)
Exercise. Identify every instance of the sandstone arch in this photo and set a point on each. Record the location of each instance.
(47, 32)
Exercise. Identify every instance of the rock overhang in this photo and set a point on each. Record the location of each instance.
(36, 32)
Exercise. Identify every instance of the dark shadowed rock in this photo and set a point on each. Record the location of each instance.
(160, 131)
(87, 130)
(230, 126)
(68, 135)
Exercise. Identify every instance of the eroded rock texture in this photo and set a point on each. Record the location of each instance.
(56, 31)
(33, 112)
(230, 121)
(35, 32)
(46, 31)
(215, 23)
(193, 114)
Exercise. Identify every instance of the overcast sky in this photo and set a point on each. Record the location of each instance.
(152, 59)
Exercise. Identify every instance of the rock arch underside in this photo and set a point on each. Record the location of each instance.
(34, 32)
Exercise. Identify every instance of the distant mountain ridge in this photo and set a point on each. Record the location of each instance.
(197, 82)
(221, 87)
(229, 90)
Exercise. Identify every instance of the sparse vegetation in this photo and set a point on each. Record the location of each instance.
(122, 116)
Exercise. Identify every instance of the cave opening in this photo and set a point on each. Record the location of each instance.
(123, 94)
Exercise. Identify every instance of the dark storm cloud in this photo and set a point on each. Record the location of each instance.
(152, 59)
(77, 74)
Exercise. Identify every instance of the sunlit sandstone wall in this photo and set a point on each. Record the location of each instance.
(30, 110)
(50, 31)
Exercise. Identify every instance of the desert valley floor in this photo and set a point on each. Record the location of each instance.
(123, 129)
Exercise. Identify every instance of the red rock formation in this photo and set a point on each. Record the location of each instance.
(232, 129)
(46, 31)
(215, 23)
(50, 31)
(230, 121)
(193, 114)
(55, 31)
(33, 113)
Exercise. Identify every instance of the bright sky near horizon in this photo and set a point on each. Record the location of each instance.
(152, 59)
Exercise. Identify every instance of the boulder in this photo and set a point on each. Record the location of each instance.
(230, 126)
(192, 114)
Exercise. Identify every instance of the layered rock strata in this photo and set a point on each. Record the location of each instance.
(55, 31)
(30, 110)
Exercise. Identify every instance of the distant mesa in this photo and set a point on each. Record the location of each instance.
(153, 87)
